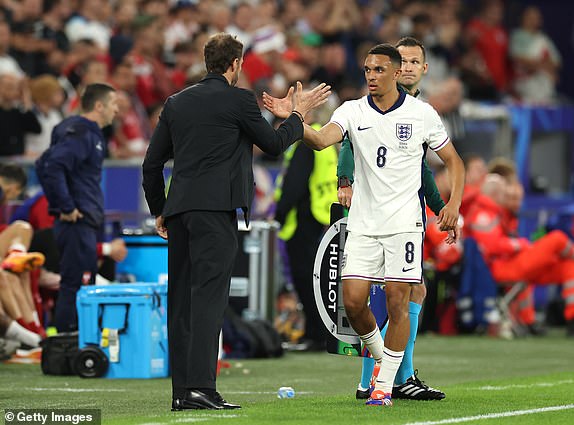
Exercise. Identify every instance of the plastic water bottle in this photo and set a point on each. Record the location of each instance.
(286, 392)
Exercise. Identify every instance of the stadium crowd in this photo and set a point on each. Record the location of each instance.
(149, 49)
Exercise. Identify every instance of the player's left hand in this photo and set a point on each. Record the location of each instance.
(448, 217)
(345, 194)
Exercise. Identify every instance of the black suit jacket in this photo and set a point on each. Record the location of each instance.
(209, 129)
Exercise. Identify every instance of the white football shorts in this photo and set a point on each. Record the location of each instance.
(389, 258)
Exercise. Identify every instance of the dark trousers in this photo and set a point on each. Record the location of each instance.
(202, 246)
(78, 265)
(44, 241)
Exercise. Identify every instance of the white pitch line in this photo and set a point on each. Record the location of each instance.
(78, 390)
(264, 392)
(495, 415)
(539, 384)
(202, 418)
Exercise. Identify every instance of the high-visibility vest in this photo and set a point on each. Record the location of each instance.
(322, 188)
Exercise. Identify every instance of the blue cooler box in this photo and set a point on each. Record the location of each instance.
(139, 313)
(146, 260)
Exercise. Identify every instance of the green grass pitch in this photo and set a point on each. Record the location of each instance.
(487, 381)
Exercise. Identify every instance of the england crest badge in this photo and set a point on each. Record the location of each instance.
(404, 131)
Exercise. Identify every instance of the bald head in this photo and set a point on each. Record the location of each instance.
(494, 186)
(10, 89)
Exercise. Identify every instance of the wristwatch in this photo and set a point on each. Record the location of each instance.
(343, 182)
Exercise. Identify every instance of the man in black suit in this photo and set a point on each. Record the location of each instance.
(209, 130)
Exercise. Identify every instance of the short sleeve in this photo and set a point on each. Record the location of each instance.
(342, 117)
(436, 135)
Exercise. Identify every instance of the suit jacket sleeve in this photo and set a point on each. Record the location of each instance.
(270, 141)
(159, 151)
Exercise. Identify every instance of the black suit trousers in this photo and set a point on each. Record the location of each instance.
(202, 246)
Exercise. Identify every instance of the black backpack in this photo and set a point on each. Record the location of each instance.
(255, 338)
(58, 354)
(268, 340)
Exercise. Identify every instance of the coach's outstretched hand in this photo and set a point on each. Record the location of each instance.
(297, 100)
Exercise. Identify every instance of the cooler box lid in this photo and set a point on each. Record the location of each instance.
(144, 240)
(123, 289)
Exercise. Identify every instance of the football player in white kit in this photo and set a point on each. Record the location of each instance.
(390, 132)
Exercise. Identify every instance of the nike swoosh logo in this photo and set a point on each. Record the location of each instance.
(363, 128)
(407, 270)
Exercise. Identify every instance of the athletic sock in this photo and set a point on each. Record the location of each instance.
(17, 247)
(406, 370)
(367, 372)
(36, 318)
(390, 364)
(374, 343)
(19, 333)
(369, 363)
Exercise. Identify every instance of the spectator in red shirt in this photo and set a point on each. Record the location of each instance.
(127, 140)
(153, 83)
(475, 172)
(124, 79)
(261, 61)
(488, 37)
(185, 57)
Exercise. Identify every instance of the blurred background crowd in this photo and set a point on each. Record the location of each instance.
(494, 51)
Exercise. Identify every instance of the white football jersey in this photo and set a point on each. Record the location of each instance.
(389, 148)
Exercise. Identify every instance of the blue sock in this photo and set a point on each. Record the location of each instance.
(406, 370)
(369, 363)
(367, 371)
